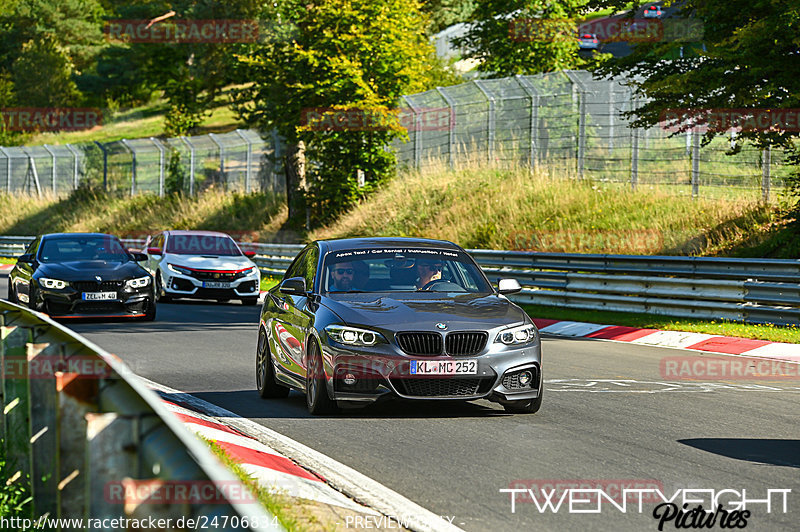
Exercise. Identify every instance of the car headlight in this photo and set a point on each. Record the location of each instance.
(179, 269)
(250, 271)
(141, 282)
(55, 284)
(352, 336)
(517, 335)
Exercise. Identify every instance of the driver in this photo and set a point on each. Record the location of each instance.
(428, 270)
(342, 277)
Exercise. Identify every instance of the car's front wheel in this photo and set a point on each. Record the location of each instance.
(250, 301)
(161, 293)
(317, 397)
(531, 406)
(265, 373)
(150, 313)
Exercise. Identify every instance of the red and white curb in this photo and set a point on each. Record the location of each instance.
(263, 463)
(263, 453)
(707, 343)
(6, 267)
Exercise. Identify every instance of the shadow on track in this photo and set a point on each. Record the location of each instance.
(246, 403)
(766, 451)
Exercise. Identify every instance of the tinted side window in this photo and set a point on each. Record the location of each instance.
(297, 268)
(310, 267)
(33, 247)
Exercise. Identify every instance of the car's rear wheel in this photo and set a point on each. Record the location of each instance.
(161, 294)
(267, 386)
(317, 397)
(531, 406)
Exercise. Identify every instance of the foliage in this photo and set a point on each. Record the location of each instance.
(512, 37)
(14, 496)
(444, 13)
(355, 57)
(177, 176)
(748, 59)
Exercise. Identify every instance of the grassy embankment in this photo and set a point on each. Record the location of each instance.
(476, 207)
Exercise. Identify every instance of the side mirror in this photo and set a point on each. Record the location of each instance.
(138, 257)
(249, 254)
(154, 251)
(508, 286)
(295, 286)
(26, 258)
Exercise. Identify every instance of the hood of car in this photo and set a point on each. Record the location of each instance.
(422, 312)
(208, 262)
(88, 269)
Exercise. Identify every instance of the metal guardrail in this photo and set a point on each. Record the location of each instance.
(84, 429)
(751, 290)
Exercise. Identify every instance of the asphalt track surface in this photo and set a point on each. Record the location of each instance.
(606, 420)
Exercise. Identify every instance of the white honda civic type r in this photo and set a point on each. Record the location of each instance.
(201, 265)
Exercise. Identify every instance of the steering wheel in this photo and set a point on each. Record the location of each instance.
(431, 284)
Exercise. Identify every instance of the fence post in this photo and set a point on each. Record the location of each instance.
(695, 164)
(451, 124)
(75, 156)
(221, 157)
(766, 159)
(32, 173)
(491, 121)
(133, 166)
(634, 158)
(8, 169)
(191, 164)
(160, 165)
(53, 169)
(105, 165)
(276, 154)
(249, 160)
(417, 139)
(533, 126)
(611, 115)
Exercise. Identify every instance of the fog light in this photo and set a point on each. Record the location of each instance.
(349, 379)
(525, 378)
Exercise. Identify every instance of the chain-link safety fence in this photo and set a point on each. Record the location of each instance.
(237, 161)
(567, 122)
(573, 124)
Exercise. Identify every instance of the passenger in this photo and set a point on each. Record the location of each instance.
(428, 271)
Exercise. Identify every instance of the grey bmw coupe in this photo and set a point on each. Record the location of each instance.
(362, 320)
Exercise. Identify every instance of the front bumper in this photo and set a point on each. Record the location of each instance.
(382, 372)
(180, 285)
(69, 303)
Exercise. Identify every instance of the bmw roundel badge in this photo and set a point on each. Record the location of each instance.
(441, 326)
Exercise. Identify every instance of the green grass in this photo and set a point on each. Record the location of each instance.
(268, 282)
(773, 333)
(7, 261)
(144, 121)
(292, 514)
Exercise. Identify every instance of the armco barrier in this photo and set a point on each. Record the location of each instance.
(79, 424)
(751, 290)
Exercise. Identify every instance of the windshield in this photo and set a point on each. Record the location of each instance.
(202, 245)
(402, 270)
(78, 248)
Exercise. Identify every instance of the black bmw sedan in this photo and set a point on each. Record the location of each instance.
(361, 320)
(82, 275)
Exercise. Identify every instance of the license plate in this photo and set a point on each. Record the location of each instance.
(213, 284)
(444, 367)
(99, 296)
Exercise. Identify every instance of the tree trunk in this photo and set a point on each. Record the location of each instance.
(294, 165)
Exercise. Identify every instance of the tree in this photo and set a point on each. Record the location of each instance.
(512, 37)
(444, 13)
(328, 78)
(750, 60)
